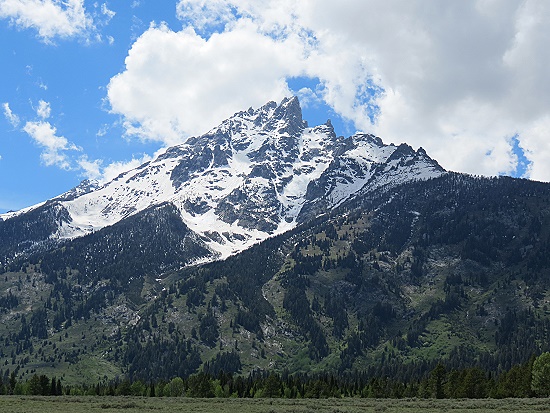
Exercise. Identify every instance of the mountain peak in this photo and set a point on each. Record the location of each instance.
(287, 118)
(284, 119)
(86, 186)
(292, 103)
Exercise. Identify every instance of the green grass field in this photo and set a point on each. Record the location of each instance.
(73, 404)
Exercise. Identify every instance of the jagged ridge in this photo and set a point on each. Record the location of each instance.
(258, 174)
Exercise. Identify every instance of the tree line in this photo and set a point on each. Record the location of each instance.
(531, 379)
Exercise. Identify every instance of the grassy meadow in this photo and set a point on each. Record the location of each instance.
(75, 404)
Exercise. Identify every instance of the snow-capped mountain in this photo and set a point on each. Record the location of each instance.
(258, 174)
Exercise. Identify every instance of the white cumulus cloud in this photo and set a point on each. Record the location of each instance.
(55, 147)
(178, 83)
(461, 79)
(50, 18)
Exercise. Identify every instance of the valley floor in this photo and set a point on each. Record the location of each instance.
(77, 404)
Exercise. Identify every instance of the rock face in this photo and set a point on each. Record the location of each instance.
(258, 174)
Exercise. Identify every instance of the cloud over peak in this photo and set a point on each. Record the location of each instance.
(178, 84)
(460, 79)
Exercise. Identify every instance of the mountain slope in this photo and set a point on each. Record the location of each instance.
(453, 269)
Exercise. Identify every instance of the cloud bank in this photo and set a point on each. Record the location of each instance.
(462, 79)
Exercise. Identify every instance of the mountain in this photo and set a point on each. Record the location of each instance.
(258, 174)
(268, 244)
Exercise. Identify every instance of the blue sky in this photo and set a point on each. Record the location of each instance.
(71, 74)
(90, 88)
